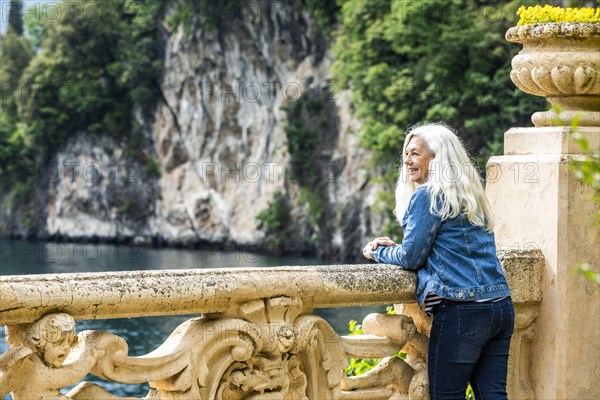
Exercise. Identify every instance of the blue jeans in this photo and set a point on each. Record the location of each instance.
(469, 343)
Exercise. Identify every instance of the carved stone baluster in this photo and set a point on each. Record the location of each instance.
(520, 352)
(392, 378)
(262, 349)
(295, 357)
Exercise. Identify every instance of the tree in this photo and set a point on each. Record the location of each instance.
(15, 17)
(36, 26)
(409, 62)
(90, 72)
(15, 55)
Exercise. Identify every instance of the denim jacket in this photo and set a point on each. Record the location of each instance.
(453, 258)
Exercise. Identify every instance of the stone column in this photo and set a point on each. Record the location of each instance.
(538, 203)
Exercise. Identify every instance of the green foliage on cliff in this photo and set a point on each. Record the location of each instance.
(305, 133)
(275, 219)
(435, 60)
(205, 13)
(15, 54)
(311, 130)
(90, 70)
(409, 62)
(212, 14)
(325, 13)
(83, 67)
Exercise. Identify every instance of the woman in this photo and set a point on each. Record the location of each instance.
(448, 240)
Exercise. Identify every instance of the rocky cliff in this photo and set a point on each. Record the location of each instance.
(249, 121)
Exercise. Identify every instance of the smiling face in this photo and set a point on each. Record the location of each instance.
(416, 159)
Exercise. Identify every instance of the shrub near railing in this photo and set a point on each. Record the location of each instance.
(358, 366)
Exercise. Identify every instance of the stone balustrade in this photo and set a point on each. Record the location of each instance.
(255, 337)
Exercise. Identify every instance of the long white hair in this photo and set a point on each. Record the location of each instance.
(452, 177)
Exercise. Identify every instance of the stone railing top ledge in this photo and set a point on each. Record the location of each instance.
(25, 298)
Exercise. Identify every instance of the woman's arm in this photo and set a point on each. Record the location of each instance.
(419, 233)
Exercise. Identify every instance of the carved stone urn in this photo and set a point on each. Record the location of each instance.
(560, 61)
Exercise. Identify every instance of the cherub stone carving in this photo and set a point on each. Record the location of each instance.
(40, 350)
(38, 364)
(51, 338)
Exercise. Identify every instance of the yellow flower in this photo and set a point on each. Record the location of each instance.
(547, 14)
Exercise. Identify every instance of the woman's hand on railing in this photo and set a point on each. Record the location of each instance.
(372, 245)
